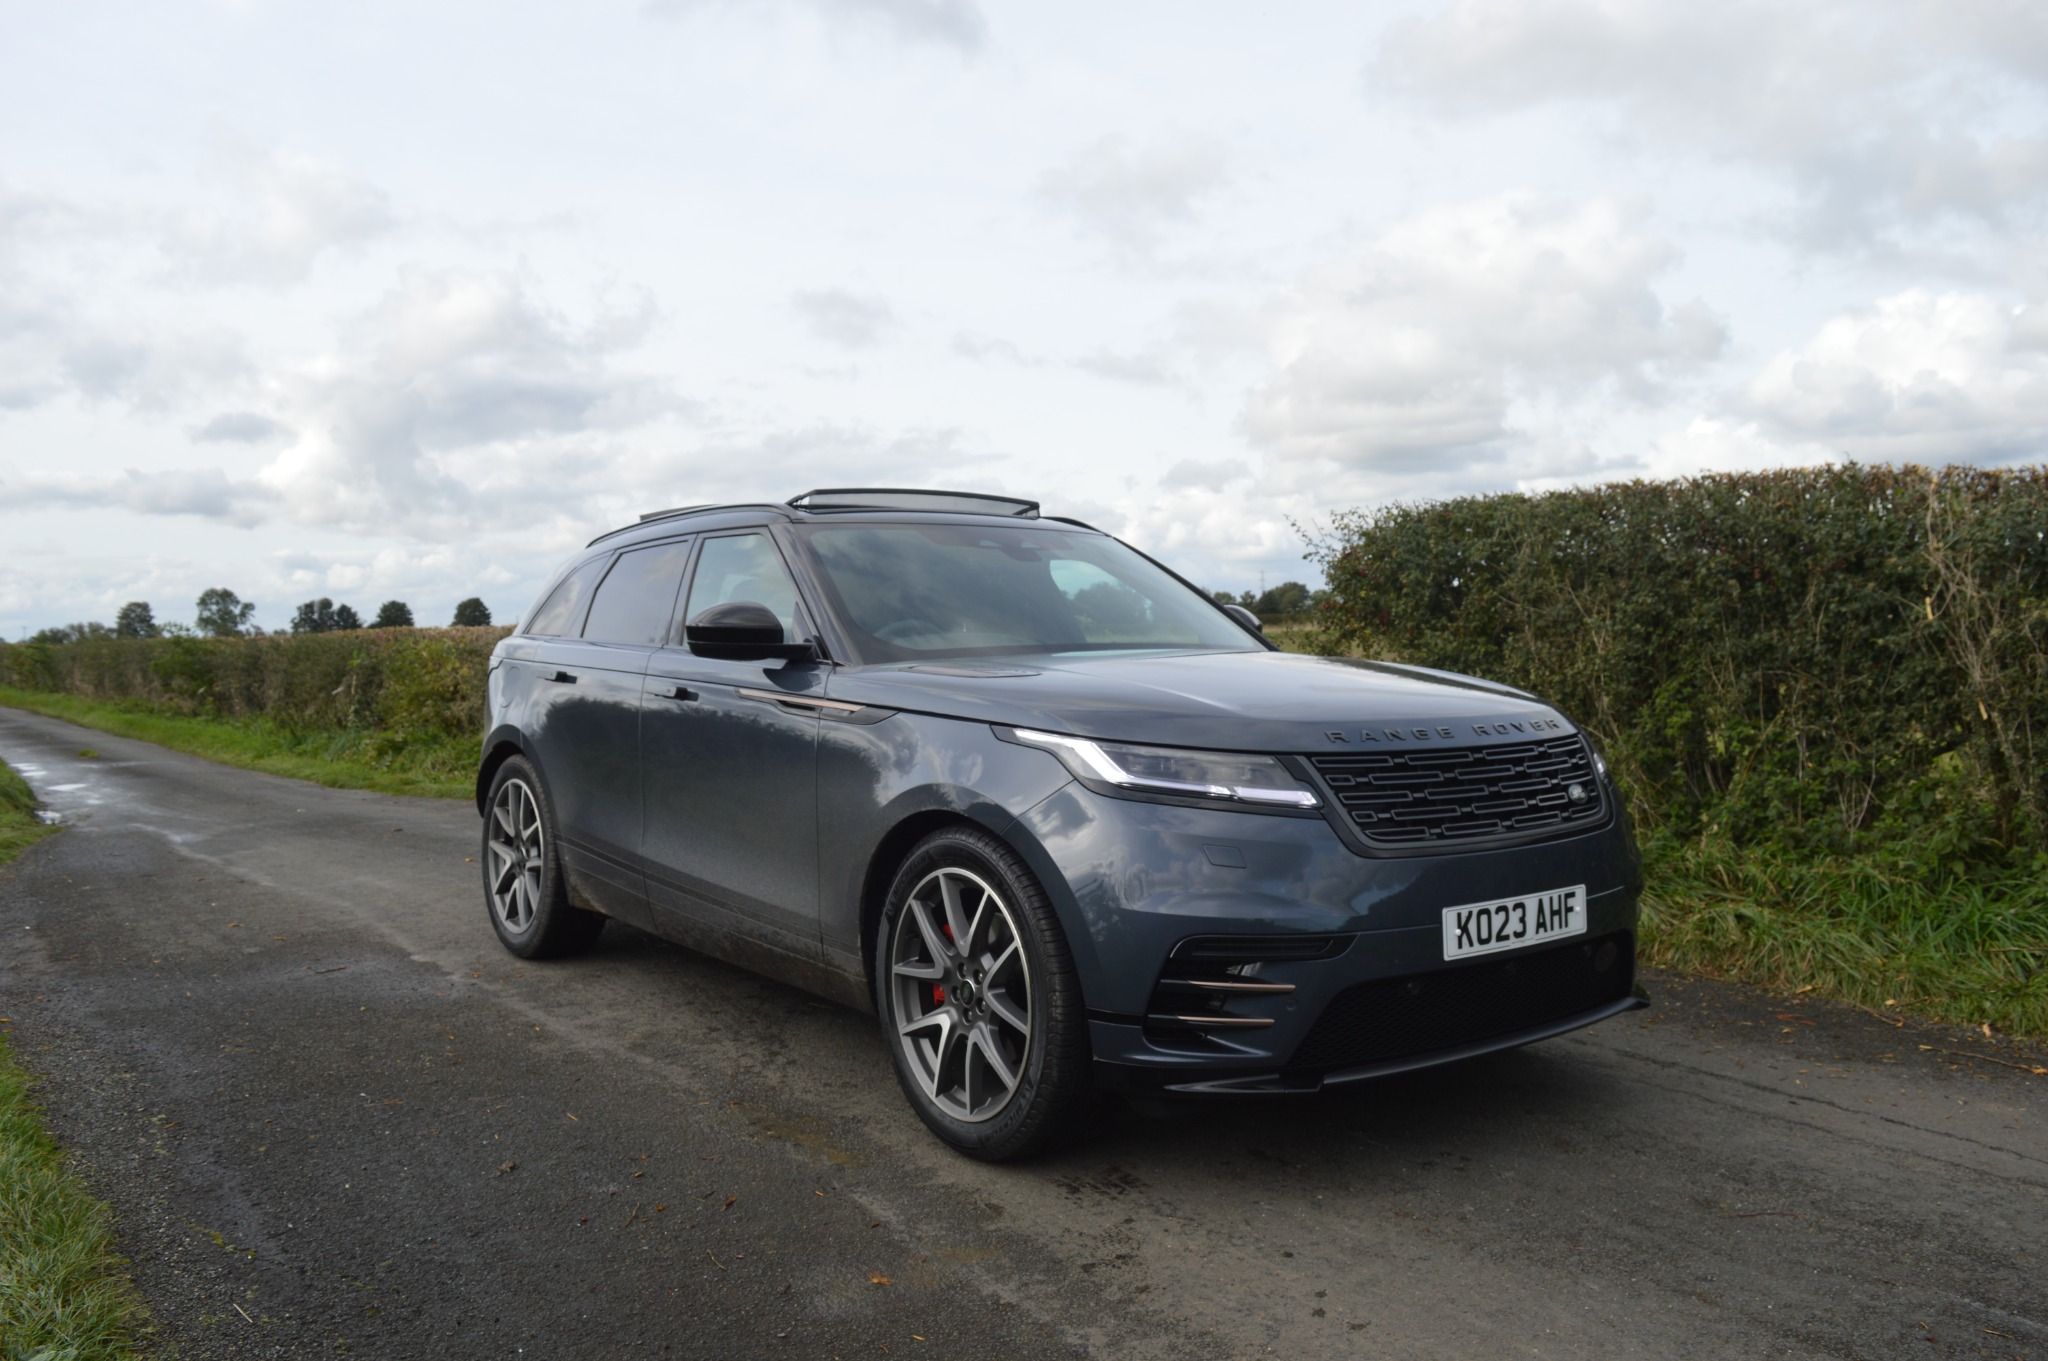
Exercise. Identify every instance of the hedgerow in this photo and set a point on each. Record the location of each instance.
(1824, 690)
(407, 698)
(1813, 658)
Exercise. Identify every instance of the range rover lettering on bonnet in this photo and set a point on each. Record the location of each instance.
(1507, 728)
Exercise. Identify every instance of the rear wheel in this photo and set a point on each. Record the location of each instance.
(524, 891)
(979, 1002)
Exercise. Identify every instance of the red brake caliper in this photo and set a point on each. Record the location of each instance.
(938, 990)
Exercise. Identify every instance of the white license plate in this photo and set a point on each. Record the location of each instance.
(1511, 923)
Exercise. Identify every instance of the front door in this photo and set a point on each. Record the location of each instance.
(729, 765)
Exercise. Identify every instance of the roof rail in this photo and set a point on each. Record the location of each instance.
(680, 511)
(913, 498)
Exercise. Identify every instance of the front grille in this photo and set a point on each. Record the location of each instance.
(1448, 795)
(1391, 1018)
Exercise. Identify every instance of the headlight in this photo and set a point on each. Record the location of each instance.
(1171, 771)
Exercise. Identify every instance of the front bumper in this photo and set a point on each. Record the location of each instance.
(1148, 892)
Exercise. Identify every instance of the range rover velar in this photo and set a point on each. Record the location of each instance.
(1056, 816)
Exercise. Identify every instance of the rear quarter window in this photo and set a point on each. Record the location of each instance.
(561, 613)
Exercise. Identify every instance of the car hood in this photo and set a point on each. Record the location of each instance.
(1232, 701)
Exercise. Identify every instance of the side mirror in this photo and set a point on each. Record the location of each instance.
(1245, 617)
(742, 631)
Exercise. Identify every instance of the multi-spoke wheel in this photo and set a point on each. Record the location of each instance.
(516, 843)
(963, 993)
(523, 888)
(978, 997)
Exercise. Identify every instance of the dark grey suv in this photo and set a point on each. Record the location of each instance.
(1060, 819)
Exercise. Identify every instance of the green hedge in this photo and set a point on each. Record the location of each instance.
(1823, 660)
(396, 690)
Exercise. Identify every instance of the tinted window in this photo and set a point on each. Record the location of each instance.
(564, 607)
(912, 591)
(638, 596)
(743, 567)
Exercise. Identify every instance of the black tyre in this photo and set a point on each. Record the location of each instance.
(979, 1003)
(524, 891)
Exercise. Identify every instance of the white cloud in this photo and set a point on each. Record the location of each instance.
(1917, 375)
(1411, 352)
(455, 396)
(207, 493)
(1873, 117)
(1134, 195)
(1709, 444)
(271, 217)
(853, 321)
(958, 24)
(240, 427)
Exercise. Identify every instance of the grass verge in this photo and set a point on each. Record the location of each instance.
(1971, 949)
(64, 1295)
(341, 760)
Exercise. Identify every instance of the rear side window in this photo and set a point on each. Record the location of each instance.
(743, 567)
(638, 596)
(564, 606)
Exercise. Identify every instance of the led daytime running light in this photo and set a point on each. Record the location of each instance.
(1103, 766)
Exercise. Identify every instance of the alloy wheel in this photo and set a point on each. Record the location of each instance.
(961, 986)
(518, 849)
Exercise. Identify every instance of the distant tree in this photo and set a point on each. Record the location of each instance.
(345, 617)
(314, 616)
(471, 613)
(1289, 597)
(1223, 597)
(393, 614)
(174, 628)
(136, 620)
(70, 633)
(223, 614)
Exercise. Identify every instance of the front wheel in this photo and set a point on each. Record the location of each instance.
(979, 1003)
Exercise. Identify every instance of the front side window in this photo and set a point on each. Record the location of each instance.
(743, 567)
(638, 595)
(564, 608)
(910, 592)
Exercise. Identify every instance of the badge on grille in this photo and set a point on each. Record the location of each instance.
(1577, 793)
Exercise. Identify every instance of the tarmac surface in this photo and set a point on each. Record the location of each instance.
(335, 1118)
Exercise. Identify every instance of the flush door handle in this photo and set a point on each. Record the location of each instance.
(563, 678)
(683, 693)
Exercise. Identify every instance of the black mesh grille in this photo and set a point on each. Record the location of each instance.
(1392, 1018)
(1447, 795)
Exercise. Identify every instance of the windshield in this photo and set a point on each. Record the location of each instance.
(919, 592)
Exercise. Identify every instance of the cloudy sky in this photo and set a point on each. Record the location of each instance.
(401, 300)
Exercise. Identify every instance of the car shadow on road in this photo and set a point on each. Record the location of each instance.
(1479, 1109)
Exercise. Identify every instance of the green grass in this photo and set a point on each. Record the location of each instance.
(1966, 948)
(19, 826)
(342, 760)
(64, 1295)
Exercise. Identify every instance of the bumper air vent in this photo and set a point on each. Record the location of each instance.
(1214, 986)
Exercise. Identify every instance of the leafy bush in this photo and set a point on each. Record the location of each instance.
(1820, 659)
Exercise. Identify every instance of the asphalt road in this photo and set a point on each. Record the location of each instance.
(333, 1117)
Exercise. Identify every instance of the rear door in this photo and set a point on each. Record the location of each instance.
(596, 738)
(729, 764)
(583, 665)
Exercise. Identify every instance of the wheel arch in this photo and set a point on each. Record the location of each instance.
(888, 857)
(503, 744)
